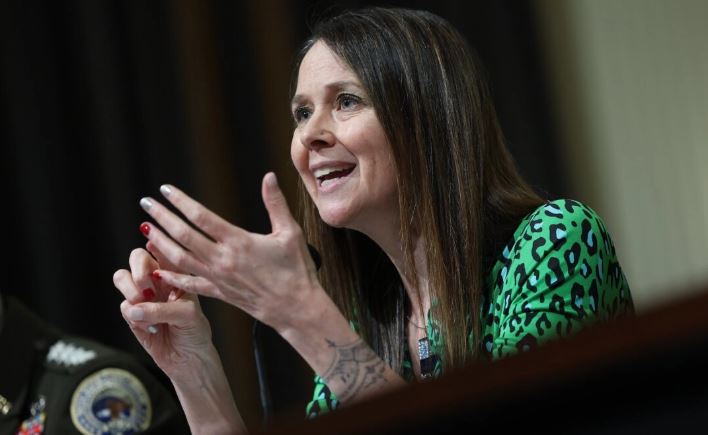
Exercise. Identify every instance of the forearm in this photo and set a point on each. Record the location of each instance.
(349, 367)
(207, 400)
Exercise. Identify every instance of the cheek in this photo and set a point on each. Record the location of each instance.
(298, 155)
(300, 158)
(381, 161)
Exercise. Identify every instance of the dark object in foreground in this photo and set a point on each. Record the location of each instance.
(55, 383)
(642, 375)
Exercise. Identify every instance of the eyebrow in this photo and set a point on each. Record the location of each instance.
(297, 99)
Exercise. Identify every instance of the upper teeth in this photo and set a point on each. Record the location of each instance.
(321, 172)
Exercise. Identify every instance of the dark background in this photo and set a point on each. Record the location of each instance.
(103, 101)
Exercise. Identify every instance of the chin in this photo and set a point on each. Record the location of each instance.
(337, 217)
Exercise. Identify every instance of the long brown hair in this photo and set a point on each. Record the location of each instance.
(458, 187)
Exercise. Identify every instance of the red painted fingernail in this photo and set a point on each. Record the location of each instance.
(148, 294)
(156, 275)
(145, 229)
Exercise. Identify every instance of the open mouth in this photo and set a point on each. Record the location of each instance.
(329, 175)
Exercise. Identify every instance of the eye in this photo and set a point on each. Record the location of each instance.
(301, 114)
(348, 101)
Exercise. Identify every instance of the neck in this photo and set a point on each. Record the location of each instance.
(389, 240)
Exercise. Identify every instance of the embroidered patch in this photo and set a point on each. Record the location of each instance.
(111, 401)
(69, 355)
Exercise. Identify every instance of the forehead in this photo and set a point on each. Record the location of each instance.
(321, 66)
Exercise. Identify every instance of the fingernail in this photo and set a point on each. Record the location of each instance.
(152, 329)
(156, 275)
(145, 203)
(148, 294)
(165, 189)
(145, 229)
(135, 313)
(271, 180)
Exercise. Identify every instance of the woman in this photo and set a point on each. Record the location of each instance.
(436, 251)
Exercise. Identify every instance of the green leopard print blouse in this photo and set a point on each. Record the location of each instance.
(558, 274)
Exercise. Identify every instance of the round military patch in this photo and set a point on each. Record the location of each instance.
(111, 401)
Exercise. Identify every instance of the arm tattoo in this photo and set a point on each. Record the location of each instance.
(356, 366)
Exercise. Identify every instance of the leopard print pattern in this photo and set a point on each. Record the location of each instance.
(558, 274)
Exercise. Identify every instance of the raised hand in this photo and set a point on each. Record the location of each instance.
(268, 276)
(271, 276)
(170, 326)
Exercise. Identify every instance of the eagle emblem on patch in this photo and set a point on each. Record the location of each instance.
(111, 401)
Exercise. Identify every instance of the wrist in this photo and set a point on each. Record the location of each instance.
(204, 367)
(206, 398)
(318, 324)
(306, 318)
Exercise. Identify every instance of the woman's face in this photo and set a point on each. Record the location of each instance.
(339, 147)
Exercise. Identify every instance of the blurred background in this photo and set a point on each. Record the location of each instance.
(605, 101)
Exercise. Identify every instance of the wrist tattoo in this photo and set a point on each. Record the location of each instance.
(356, 366)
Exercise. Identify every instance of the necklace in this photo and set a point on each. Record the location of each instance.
(416, 325)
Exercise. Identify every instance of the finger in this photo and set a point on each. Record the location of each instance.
(178, 229)
(123, 281)
(276, 204)
(140, 329)
(141, 267)
(174, 253)
(190, 284)
(212, 224)
(180, 313)
(159, 256)
(174, 293)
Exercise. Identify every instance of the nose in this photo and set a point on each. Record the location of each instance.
(317, 132)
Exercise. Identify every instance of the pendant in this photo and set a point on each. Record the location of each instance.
(427, 361)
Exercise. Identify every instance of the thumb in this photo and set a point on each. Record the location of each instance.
(276, 204)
